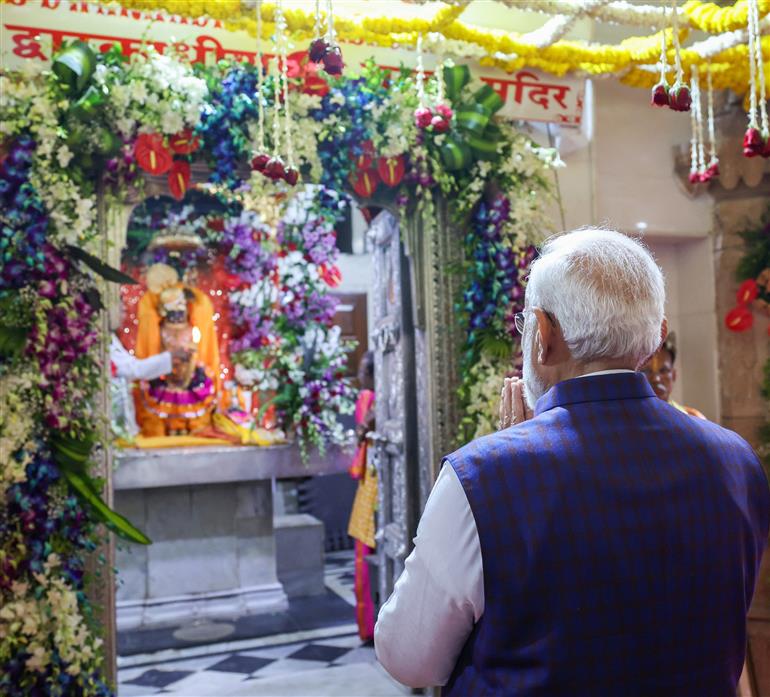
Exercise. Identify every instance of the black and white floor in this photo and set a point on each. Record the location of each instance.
(313, 649)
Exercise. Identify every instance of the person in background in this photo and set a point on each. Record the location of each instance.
(661, 373)
(606, 544)
(361, 526)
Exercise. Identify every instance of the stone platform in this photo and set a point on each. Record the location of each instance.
(209, 512)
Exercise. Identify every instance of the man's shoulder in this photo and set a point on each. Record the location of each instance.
(543, 436)
(709, 432)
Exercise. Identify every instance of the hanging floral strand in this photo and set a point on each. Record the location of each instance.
(756, 140)
(659, 96)
(261, 158)
(319, 46)
(697, 152)
(712, 169)
(326, 50)
(423, 115)
(693, 177)
(276, 168)
(442, 119)
(762, 86)
(679, 97)
(291, 174)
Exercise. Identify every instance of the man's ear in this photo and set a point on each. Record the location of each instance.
(544, 342)
(663, 331)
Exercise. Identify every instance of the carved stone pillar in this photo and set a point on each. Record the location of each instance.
(741, 195)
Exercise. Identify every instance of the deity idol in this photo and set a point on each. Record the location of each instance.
(177, 318)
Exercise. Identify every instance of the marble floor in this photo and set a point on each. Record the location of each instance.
(312, 660)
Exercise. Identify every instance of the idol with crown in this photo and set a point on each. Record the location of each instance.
(176, 317)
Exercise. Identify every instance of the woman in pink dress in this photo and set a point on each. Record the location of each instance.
(361, 527)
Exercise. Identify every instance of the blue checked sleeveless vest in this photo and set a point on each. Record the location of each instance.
(620, 541)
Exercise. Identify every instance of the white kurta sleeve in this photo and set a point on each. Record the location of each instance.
(132, 368)
(425, 623)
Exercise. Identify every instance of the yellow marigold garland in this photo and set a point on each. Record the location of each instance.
(711, 18)
(503, 50)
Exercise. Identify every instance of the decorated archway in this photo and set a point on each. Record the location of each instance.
(103, 131)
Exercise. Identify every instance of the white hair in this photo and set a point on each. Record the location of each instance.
(605, 291)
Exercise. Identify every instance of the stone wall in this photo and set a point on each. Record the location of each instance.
(741, 355)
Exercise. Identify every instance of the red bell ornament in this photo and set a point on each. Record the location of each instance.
(179, 179)
(391, 169)
(151, 155)
(184, 142)
(364, 182)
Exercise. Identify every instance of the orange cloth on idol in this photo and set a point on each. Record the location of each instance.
(200, 313)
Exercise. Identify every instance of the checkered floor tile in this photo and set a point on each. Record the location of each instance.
(233, 673)
(225, 671)
(339, 575)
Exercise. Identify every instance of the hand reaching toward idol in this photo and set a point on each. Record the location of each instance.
(513, 407)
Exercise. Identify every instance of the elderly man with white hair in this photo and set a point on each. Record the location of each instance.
(607, 544)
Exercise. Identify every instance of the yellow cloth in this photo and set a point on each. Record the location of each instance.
(175, 442)
(248, 436)
(361, 525)
(691, 411)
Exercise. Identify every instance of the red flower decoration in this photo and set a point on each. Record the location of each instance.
(179, 179)
(739, 319)
(748, 291)
(259, 162)
(318, 49)
(291, 176)
(439, 124)
(366, 158)
(364, 182)
(216, 224)
(659, 95)
(391, 169)
(422, 117)
(679, 97)
(316, 85)
(331, 275)
(753, 143)
(184, 142)
(332, 61)
(275, 169)
(151, 155)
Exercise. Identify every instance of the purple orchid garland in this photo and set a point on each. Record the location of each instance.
(39, 516)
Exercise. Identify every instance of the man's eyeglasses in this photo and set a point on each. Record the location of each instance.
(520, 317)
